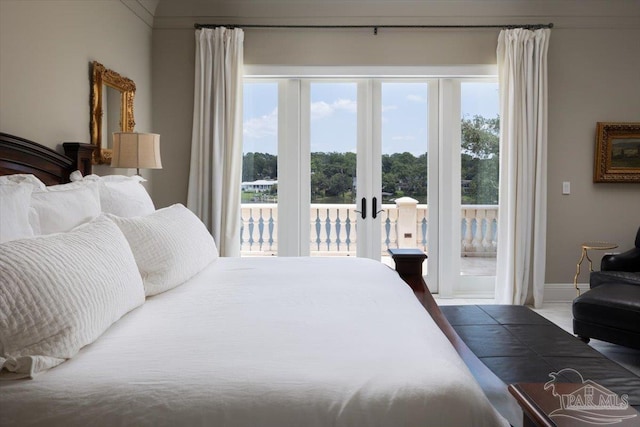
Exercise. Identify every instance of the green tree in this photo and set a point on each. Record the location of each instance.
(333, 174)
(259, 166)
(480, 146)
(339, 185)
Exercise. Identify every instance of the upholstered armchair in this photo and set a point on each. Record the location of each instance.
(626, 261)
(610, 310)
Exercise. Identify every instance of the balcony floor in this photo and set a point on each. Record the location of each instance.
(469, 266)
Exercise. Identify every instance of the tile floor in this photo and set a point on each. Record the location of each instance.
(560, 314)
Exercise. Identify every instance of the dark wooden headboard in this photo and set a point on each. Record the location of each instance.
(19, 155)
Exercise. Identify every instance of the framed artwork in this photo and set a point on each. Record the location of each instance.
(617, 156)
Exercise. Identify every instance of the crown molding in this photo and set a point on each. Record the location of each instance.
(143, 9)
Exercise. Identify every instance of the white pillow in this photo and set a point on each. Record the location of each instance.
(125, 198)
(59, 293)
(63, 209)
(120, 195)
(170, 246)
(15, 206)
(23, 178)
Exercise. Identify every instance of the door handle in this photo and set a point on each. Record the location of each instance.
(375, 211)
(363, 209)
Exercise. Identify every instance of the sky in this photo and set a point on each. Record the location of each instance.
(334, 115)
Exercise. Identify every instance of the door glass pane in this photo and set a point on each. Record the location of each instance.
(260, 169)
(404, 167)
(479, 156)
(333, 139)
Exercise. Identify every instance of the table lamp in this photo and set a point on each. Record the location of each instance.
(136, 150)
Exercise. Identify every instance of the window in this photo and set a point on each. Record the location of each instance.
(347, 144)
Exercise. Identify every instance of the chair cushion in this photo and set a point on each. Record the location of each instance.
(599, 278)
(613, 305)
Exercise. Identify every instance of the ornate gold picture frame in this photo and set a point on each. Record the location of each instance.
(617, 156)
(118, 108)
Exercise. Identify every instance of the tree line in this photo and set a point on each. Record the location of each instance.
(333, 175)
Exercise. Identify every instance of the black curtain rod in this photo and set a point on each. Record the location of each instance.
(374, 27)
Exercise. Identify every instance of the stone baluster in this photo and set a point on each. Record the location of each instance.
(492, 229)
(244, 231)
(467, 238)
(341, 232)
(315, 227)
(390, 228)
(321, 229)
(478, 236)
(272, 227)
(331, 227)
(422, 216)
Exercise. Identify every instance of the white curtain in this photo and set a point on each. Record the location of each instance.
(522, 74)
(216, 140)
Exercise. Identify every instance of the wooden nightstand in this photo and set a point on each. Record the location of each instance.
(409, 267)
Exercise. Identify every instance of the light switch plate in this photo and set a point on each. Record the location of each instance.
(566, 187)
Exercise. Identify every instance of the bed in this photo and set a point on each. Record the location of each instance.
(242, 342)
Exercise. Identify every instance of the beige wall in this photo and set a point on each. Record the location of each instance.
(594, 75)
(46, 47)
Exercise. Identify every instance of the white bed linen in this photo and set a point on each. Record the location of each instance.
(264, 342)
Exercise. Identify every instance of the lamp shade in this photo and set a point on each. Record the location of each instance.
(136, 150)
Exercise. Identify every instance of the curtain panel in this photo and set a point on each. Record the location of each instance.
(216, 142)
(522, 75)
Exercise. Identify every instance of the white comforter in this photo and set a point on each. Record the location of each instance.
(263, 342)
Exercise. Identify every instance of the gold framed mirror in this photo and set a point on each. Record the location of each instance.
(111, 109)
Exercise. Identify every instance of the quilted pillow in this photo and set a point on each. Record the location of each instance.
(170, 246)
(59, 293)
(15, 206)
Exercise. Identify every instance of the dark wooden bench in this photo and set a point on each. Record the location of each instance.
(513, 345)
(520, 346)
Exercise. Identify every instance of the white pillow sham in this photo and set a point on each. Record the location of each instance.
(120, 195)
(59, 293)
(15, 206)
(23, 178)
(64, 208)
(170, 246)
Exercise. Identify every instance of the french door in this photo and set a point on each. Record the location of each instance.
(364, 164)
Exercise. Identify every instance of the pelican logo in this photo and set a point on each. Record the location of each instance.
(588, 401)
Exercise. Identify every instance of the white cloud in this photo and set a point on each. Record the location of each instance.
(416, 98)
(259, 127)
(348, 105)
(321, 109)
(386, 108)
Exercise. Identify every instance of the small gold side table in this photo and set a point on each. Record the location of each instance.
(586, 246)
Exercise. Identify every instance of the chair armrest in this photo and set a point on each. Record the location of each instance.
(598, 278)
(625, 261)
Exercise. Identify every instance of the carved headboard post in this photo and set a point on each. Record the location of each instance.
(19, 155)
(82, 154)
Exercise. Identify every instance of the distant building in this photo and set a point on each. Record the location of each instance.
(466, 185)
(259, 186)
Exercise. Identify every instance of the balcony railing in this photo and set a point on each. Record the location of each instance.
(333, 231)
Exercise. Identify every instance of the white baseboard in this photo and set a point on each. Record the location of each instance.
(562, 292)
